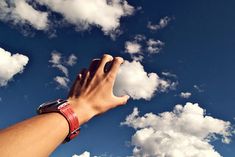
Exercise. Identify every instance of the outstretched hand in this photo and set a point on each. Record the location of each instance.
(92, 91)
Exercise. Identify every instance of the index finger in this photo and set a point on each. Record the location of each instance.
(115, 66)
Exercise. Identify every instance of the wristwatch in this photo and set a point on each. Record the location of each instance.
(62, 107)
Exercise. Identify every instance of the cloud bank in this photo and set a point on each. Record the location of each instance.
(83, 14)
(184, 132)
(10, 65)
(133, 80)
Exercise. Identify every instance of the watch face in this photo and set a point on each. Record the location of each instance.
(50, 104)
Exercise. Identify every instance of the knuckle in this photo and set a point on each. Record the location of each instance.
(107, 56)
(110, 77)
(119, 59)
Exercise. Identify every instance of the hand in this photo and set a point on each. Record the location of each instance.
(92, 92)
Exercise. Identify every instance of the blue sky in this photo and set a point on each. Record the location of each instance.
(198, 48)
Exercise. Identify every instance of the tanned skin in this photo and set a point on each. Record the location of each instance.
(90, 95)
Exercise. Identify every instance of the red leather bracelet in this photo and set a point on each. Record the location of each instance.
(63, 107)
(74, 128)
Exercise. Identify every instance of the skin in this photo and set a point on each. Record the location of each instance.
(90, 95)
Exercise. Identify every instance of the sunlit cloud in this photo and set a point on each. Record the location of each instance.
(186, 132)
(133, 80)
(10, 65)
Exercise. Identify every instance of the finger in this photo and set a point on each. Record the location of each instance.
(75, 85)
(115, 66)
(94, 66)
(84, 71)
(106, 58)
(87, 75)
(122, 100)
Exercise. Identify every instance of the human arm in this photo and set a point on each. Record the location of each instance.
(91, 95)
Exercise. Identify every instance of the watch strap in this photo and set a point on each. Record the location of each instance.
(74, 128)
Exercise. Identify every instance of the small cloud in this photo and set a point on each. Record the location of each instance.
(62, 81)
(60, 63)
(162, 24)
(57, 63)
(72, 60)
(139, 37)
(198, 88)
(10, 65)
(132, 47)
(185, 95)
(136, 50)
(0, 99)
(134, 81)
(184, 132)
(154, 46)
(168, 74)
(85, 154)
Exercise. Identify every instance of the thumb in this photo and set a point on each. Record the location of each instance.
(123, 99)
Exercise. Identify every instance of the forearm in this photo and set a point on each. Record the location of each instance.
(38, 136)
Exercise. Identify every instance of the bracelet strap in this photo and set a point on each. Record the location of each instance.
(71, 117)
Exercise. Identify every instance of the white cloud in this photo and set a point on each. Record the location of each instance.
(133, 80)
(57, 63)
(21, 12)
(10, 65)
(168, 74)
(184, 132)
(72, 60)
(154, 46)
(60, 63)
(141, 44)
(185, 95)
(62, 81)
(85, 154)
(162, 24)
(104, 14)
(83, 14)
(132, 47)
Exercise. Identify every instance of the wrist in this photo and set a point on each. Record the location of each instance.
(82, 109)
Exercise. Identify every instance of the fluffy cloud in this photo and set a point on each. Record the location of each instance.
(21, 12)
(105, 14)
(162, 24)
(185, 95)
(83, 14)
(133, 80)
(132, 47)
(62, 81)
(184, 132)
(72, 60)
(10, 65)
(141, 44)
(60, 63)
(154, 46)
